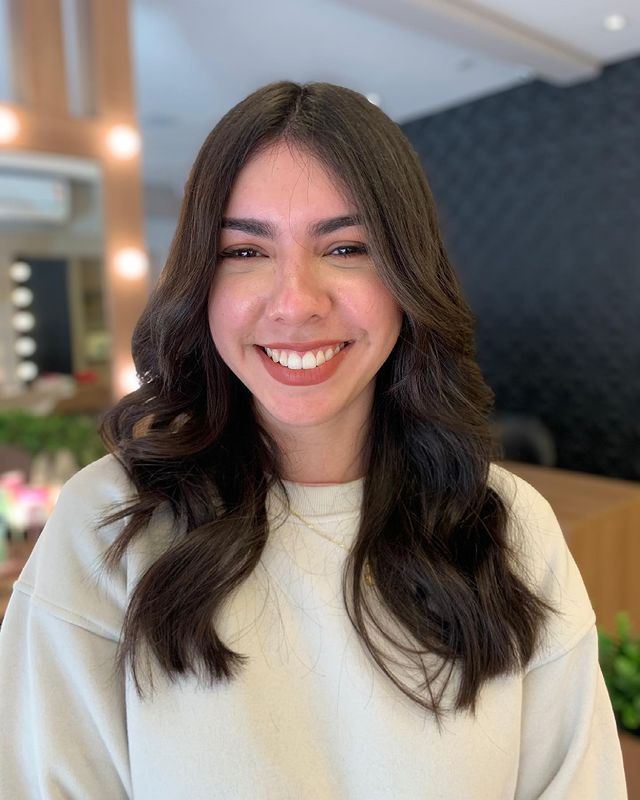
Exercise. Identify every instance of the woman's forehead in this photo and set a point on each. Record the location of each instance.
(284, 176)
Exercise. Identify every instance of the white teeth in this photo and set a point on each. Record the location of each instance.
(309, 360)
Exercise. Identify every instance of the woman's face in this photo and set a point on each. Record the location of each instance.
(296, 308)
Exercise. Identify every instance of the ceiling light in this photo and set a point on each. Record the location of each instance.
(615, 22)
(9, 125)
(123, 141)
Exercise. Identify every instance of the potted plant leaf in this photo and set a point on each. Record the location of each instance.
(53, 433)
(620, 663)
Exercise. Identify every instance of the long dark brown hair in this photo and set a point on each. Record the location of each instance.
(432, 529)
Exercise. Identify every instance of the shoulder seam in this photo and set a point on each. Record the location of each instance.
(567, 648)
(64, 614)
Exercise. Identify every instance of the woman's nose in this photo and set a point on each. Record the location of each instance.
(298, 294)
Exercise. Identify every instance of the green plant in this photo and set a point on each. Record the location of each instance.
(49, 434)
(620, 663)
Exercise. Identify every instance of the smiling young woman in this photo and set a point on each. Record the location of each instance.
(318, 585)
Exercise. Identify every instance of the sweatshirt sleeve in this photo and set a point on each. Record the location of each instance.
(61, 706)
(62, 700)
(569, 745)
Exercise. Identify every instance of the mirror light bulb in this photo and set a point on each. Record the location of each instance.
(131, 263)
(23, 321)
(25, 346)
(9, 125)
(21, 297)
(20, 271)
(123, 141)
(26, 371)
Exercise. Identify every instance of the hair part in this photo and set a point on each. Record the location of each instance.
(435, 534)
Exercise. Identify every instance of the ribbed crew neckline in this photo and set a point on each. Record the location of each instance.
(317, 501)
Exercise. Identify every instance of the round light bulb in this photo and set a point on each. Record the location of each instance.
(20, 271)
(21, 297)
(131, 263)
(123, 141)
(615, 22)
(25, 346)
(26, 371)
(9, 125)
(23, 321)
(374, 98)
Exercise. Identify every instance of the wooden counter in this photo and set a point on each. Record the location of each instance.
(600, 518)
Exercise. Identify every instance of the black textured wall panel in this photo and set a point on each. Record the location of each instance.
(538, 190)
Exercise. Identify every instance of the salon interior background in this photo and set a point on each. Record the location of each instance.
(527, 119)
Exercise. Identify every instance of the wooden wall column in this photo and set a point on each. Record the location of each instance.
(38, 57)
(115, 103)
(46, 126)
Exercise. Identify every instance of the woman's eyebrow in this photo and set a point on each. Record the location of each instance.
(253, 226)
(326, 226)
(266, 230)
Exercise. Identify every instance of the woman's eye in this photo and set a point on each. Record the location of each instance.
(346, 250)
(241, 252)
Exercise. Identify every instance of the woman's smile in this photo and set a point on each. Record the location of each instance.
(303, 367)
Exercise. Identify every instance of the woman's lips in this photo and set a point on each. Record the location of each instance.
(299, 376)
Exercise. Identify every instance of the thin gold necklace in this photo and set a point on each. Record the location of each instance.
(368, 577)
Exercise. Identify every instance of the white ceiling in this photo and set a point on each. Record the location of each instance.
(194, 59)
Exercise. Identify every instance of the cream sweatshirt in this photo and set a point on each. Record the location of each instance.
(310, 717)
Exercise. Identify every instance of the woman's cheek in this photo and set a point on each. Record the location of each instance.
(233, 305)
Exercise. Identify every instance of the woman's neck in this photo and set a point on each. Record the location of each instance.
(324, 483)
(322, 460)
(321, 454)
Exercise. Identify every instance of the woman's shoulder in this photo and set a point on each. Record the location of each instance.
(543, 559)
(532, 521)
(518, 494)
(105, 478)
(77, 523)
(66, 574)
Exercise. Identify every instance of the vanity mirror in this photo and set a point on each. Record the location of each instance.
(54, 334)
